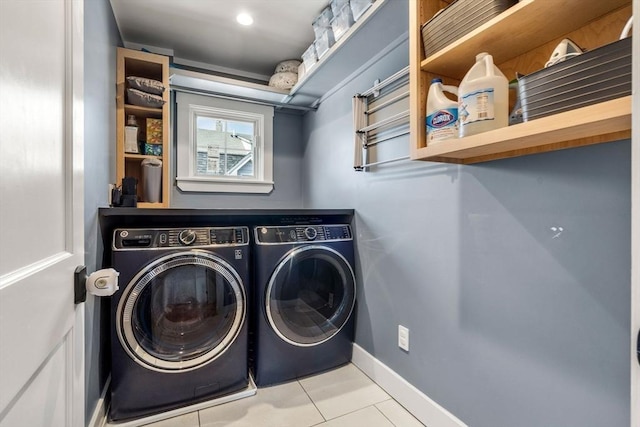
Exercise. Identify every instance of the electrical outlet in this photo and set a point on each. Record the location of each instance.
(403, 338)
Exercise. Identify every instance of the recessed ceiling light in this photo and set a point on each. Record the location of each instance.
(244, 19)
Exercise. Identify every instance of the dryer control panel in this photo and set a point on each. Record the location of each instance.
(302, 233)
(196, 237)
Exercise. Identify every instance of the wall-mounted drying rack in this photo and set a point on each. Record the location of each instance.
(380, 114)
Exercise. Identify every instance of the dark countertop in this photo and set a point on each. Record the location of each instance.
(112, 218)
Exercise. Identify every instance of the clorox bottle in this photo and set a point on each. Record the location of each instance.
(442, 112)
(483, 98)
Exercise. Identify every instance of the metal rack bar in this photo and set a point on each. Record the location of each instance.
(381, 105)
(387, 138)
(382, 162)
(386, 82)
(385, 122)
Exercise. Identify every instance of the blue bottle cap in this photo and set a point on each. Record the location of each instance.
(437, 80)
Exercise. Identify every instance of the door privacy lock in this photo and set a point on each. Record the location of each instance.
(101, 283)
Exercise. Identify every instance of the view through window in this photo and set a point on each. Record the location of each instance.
(224, 147)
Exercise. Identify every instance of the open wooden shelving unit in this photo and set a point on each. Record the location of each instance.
(149, 65)
(520, 39)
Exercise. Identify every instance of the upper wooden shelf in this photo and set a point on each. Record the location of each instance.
(521, 28)
(603, 122)
(520, 40)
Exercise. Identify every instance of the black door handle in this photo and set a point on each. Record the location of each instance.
(638, 347)
(79, 284)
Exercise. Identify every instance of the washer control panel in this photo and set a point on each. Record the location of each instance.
(302, 233)
(195, 237)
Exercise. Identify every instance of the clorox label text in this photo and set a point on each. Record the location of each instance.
(442, 124)
(442, 118)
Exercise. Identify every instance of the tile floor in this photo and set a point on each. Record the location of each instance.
(344, 397)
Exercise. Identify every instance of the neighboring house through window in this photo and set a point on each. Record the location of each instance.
(223, 145)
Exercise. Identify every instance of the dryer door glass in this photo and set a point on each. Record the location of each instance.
(310, 296)
(182, 312)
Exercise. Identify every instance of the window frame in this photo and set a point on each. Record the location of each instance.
(188, 107)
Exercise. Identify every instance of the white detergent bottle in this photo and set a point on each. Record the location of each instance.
(483, 98)
(442, 112)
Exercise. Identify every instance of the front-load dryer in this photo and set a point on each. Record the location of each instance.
(305, 292)
(178, 328)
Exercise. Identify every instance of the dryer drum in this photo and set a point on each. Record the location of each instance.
(181, 312)
(310, 295)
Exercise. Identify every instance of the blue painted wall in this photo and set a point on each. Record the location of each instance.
(512, 276)
(100, 40)
(287, 191)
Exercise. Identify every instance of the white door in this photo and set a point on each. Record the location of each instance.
(41, 212)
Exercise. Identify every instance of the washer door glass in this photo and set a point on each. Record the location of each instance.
(182, 312)
(310, 296)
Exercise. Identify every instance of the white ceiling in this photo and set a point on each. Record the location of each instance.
(205, 32)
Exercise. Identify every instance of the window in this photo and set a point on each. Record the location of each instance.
(223, 145)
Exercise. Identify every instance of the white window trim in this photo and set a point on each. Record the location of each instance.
(187, 105)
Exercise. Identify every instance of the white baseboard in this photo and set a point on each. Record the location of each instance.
(419, 404)
(99, 417)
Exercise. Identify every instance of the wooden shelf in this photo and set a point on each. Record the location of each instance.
(143, 111)
(133, 156)
(604, 122)
(520, 29)
(149, 65)
(150, 205)
(520, 40)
